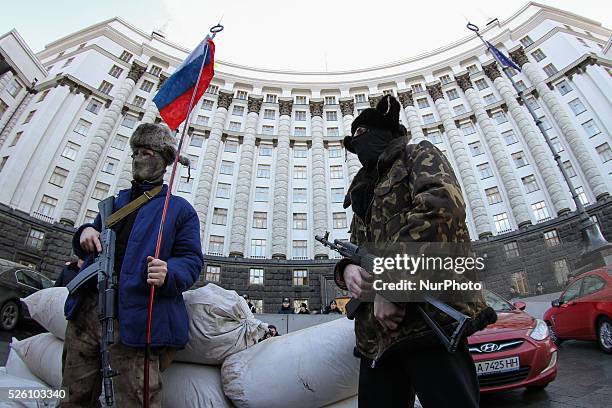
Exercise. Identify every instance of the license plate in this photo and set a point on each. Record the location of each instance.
(497, 366)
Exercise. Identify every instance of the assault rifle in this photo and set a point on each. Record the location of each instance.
(103, 267)
(359, 256)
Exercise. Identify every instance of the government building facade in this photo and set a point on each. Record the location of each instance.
(268, 169)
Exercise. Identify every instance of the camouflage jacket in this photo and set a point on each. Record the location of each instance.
(416, 198)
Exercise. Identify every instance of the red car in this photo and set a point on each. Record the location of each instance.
(514, 352)
(584, 310)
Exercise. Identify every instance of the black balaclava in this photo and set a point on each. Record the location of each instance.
(370, 144)
(148, 169)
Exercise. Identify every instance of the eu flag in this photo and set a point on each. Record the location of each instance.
(505, 61)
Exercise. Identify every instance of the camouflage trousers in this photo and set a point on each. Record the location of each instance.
(82, 377)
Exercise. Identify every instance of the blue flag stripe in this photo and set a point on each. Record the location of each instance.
(505, 61)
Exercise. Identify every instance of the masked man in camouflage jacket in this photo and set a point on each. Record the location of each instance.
(403, 193)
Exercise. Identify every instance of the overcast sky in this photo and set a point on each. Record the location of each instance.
(311, 35)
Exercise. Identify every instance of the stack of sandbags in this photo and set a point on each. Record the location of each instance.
(312, 367)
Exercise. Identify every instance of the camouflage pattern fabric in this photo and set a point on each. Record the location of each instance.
(82, 377)
(416, 198)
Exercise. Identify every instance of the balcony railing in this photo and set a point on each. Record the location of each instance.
(43, 217)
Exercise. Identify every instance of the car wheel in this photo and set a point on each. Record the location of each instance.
(537, 387)
(604, 334)
(9, 315)
(553, 334)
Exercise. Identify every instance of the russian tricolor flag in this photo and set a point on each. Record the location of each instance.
(174, 96)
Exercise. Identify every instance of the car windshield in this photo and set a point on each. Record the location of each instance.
(497, 303)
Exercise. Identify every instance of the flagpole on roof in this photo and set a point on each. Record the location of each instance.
(214, 30)
(592, 237)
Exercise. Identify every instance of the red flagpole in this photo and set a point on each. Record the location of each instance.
(145, 397)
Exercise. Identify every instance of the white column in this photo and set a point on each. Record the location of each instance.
(534, 140)
(592, 175)
(473, 194)
(5, 79)
(281, 182)
(85, 173)
(209, 163)
(245, 179)
(347, 107)
(319, 184)
(502, 161)
(13, 115)
(414, 123)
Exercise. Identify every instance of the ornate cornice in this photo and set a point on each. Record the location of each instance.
(491, 71)
(316, 107)
(374, 100)
(225, 99)
(519, 56)
(254, 103)
(136, 71)
(435, 90)
(464, 81)
(285, 106)
(162, 79)
(405, 98)
(347, 106)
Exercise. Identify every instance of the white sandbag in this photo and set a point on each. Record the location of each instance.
(43, 356)
(312, 367)
(17, 367)
(46, 306)
(193, 386)
(13, 382)
(220, 324)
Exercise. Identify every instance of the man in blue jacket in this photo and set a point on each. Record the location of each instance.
(177, 268)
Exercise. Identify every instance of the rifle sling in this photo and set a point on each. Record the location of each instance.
(132, 206)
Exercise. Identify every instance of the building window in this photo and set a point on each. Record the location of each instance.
(3, 108)
(300, 249)
(129, 121)
(459, 109)
(569, 168)
(519, 159)
(416, 88)
(219, 216)
(299, 195)
(227, 167)
(193, 161)
(196, 141)
(258, 249)
(223, 190)
(533, 104)
(300, 100)
(428, 119)
(300, 152)
(234, 126)
(3, 162)
(481, 84)
(545, 123)
(499, 117)
(207, 104)
(468, 129)
(551, 238)
(213, 273)
(263, 171)
(40, 99)
(445, 79)
(339, 220)
(299, 221)
(493, 195)
(452, 94)
(604, 152)
(126, 56)
(267, 129)
(260, 220)
(299, 131)
(330, 100)
(485, 171)
(139, 101)
(475, 149)
(337, 194)
(47, 206)
(110, 165)
(434, 136)
(472, 69)
(540, 211)
(261, 193)
(333, 131)
(215, 245)
(300, 116)
(550, 70)
(115, 71)
(520, 282)
(564, 87)
(71, 150)
(511, 250)
(94, 106)
(242, 95)
(100, 191)
(591, 128)
(561, 271)
(16, 139)
(90, 216)
(526, 41)
(489, 99)
(58, 177)
(360, 98)
(502, 224)
(530, 183)
(238, 110)
(35, 238)
(105, 87)
(334, 151)
(538, 55)
(146, 85)
(331, 116)
(155, 70)
(269, 114)
(271, 98)
(557, 147)
(509, 137)
(582, 195)
(212, 89)
(335, 172)
(577, 106)
(202, 120)
(230, 146)
(256, 276)
(14, 88)
(300, 277)
(299, 172)
(521, 85)
(82, 127)
(29, 117)
(422, 103)
(119, 142)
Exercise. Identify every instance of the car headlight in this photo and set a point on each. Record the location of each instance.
(540, 331)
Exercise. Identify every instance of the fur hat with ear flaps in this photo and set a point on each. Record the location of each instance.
(158, 138)
(385, 116)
